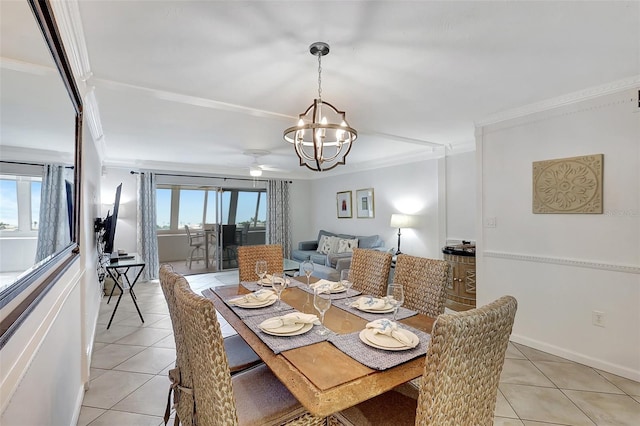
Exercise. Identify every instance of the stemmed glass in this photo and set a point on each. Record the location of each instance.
(346, 282)
(279, 283)
(322, 303)
(395, 297)
(261, 269)
(307, 268)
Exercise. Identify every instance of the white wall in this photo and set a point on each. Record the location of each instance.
(561, 267)
(414, 188)
(461, 196)
(45, 364)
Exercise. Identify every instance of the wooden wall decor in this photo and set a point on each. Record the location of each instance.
(568, 185)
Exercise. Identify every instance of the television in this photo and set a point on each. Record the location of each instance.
(110, 223)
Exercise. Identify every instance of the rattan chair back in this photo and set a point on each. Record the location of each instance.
(370, 271)
(202, 336)
(424, 281)
(185, 406)
(249, 255)
(463, 365)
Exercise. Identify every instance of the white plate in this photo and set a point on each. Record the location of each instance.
(304, 329)
(377, 311)
(388, 342)
(265, 282)
(338, 290)
(270, 301)
(284, 329)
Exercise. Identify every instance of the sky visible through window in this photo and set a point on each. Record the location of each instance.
(8, 204)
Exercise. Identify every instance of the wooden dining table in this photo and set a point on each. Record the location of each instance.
(324, 379)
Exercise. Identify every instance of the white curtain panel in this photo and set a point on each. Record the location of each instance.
(147, 238)
(278, 218)
(54, 231)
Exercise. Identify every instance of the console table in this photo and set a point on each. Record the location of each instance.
(117, 270)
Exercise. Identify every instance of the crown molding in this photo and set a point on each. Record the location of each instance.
(568, 99)
(578, 263)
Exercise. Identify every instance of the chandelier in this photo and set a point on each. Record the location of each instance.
(323, 138)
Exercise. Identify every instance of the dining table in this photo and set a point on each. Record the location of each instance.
(323, 375)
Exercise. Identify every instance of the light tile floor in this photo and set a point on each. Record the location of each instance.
(130, 361)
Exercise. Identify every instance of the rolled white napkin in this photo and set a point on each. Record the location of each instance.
(266, 279)
(289, 319)
(261, 295)
(389, 328)
(331, 285)
(370, 302)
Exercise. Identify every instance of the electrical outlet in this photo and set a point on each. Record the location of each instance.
(490, 222)
(597, 318)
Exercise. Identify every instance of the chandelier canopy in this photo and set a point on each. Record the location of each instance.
(322, 138)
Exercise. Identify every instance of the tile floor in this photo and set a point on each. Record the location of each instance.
(130, 362)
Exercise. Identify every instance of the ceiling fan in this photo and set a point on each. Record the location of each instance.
(255, 168)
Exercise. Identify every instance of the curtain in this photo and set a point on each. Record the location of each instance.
(278, 220)
(147, 237)
(54, 229)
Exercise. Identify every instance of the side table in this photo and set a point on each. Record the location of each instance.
(117, 269)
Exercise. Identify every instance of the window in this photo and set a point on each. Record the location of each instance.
(191, 208)
(19, 204)
(163, 209)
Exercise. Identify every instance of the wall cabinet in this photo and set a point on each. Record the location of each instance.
(461, 289)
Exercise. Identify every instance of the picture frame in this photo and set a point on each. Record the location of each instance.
(365, 203)
(343, 204)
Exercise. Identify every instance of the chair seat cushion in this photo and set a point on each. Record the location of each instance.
(261, 399)
(396, 407)
(239, 354)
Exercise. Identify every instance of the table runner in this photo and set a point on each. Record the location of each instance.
(379, 359)
(252, 312)
(283, 343)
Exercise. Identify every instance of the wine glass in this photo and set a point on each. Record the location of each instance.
(346, 282)
(395, 297)
(279, 283)
(261, 269)
(322, 303)
(307, 268)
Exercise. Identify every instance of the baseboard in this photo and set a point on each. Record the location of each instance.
(578, 357)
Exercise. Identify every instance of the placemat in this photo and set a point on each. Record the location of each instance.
(379, 359)
(334, 296)
(283, 343)
(252, 312)
(253, 285)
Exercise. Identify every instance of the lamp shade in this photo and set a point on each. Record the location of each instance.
(399, 220)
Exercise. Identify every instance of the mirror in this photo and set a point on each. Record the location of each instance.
(40, 125)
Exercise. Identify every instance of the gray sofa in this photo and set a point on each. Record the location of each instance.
(307, 250)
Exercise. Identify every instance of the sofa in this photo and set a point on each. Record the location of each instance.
(330, 247)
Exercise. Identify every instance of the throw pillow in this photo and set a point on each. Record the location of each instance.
(347, 246)
(324, 245)
(334, 241)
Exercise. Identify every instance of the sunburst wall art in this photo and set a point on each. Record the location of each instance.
(568, 185)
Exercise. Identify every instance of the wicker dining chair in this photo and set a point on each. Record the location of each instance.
(249, 255)
(424, 281)
(240, 356)
(370, 271)
(253, 397)
(460, 381)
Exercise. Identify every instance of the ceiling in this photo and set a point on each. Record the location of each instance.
(192, 85)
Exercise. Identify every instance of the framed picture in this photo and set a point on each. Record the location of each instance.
(364, 203)
(343, 202)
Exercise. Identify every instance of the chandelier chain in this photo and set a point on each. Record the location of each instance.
(319, 76)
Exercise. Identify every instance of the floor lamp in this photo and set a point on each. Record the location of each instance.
(399, 221)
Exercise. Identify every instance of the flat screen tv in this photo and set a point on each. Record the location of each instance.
(110, 223)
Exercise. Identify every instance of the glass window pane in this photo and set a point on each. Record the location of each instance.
(226, 201)
(191, 208)
(262, 210)
(211, 207)
(163, 208)
(8, 205)
(247, 203)
(35, 204)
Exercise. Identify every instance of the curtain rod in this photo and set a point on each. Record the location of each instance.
(133, 172)
(23, 163)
